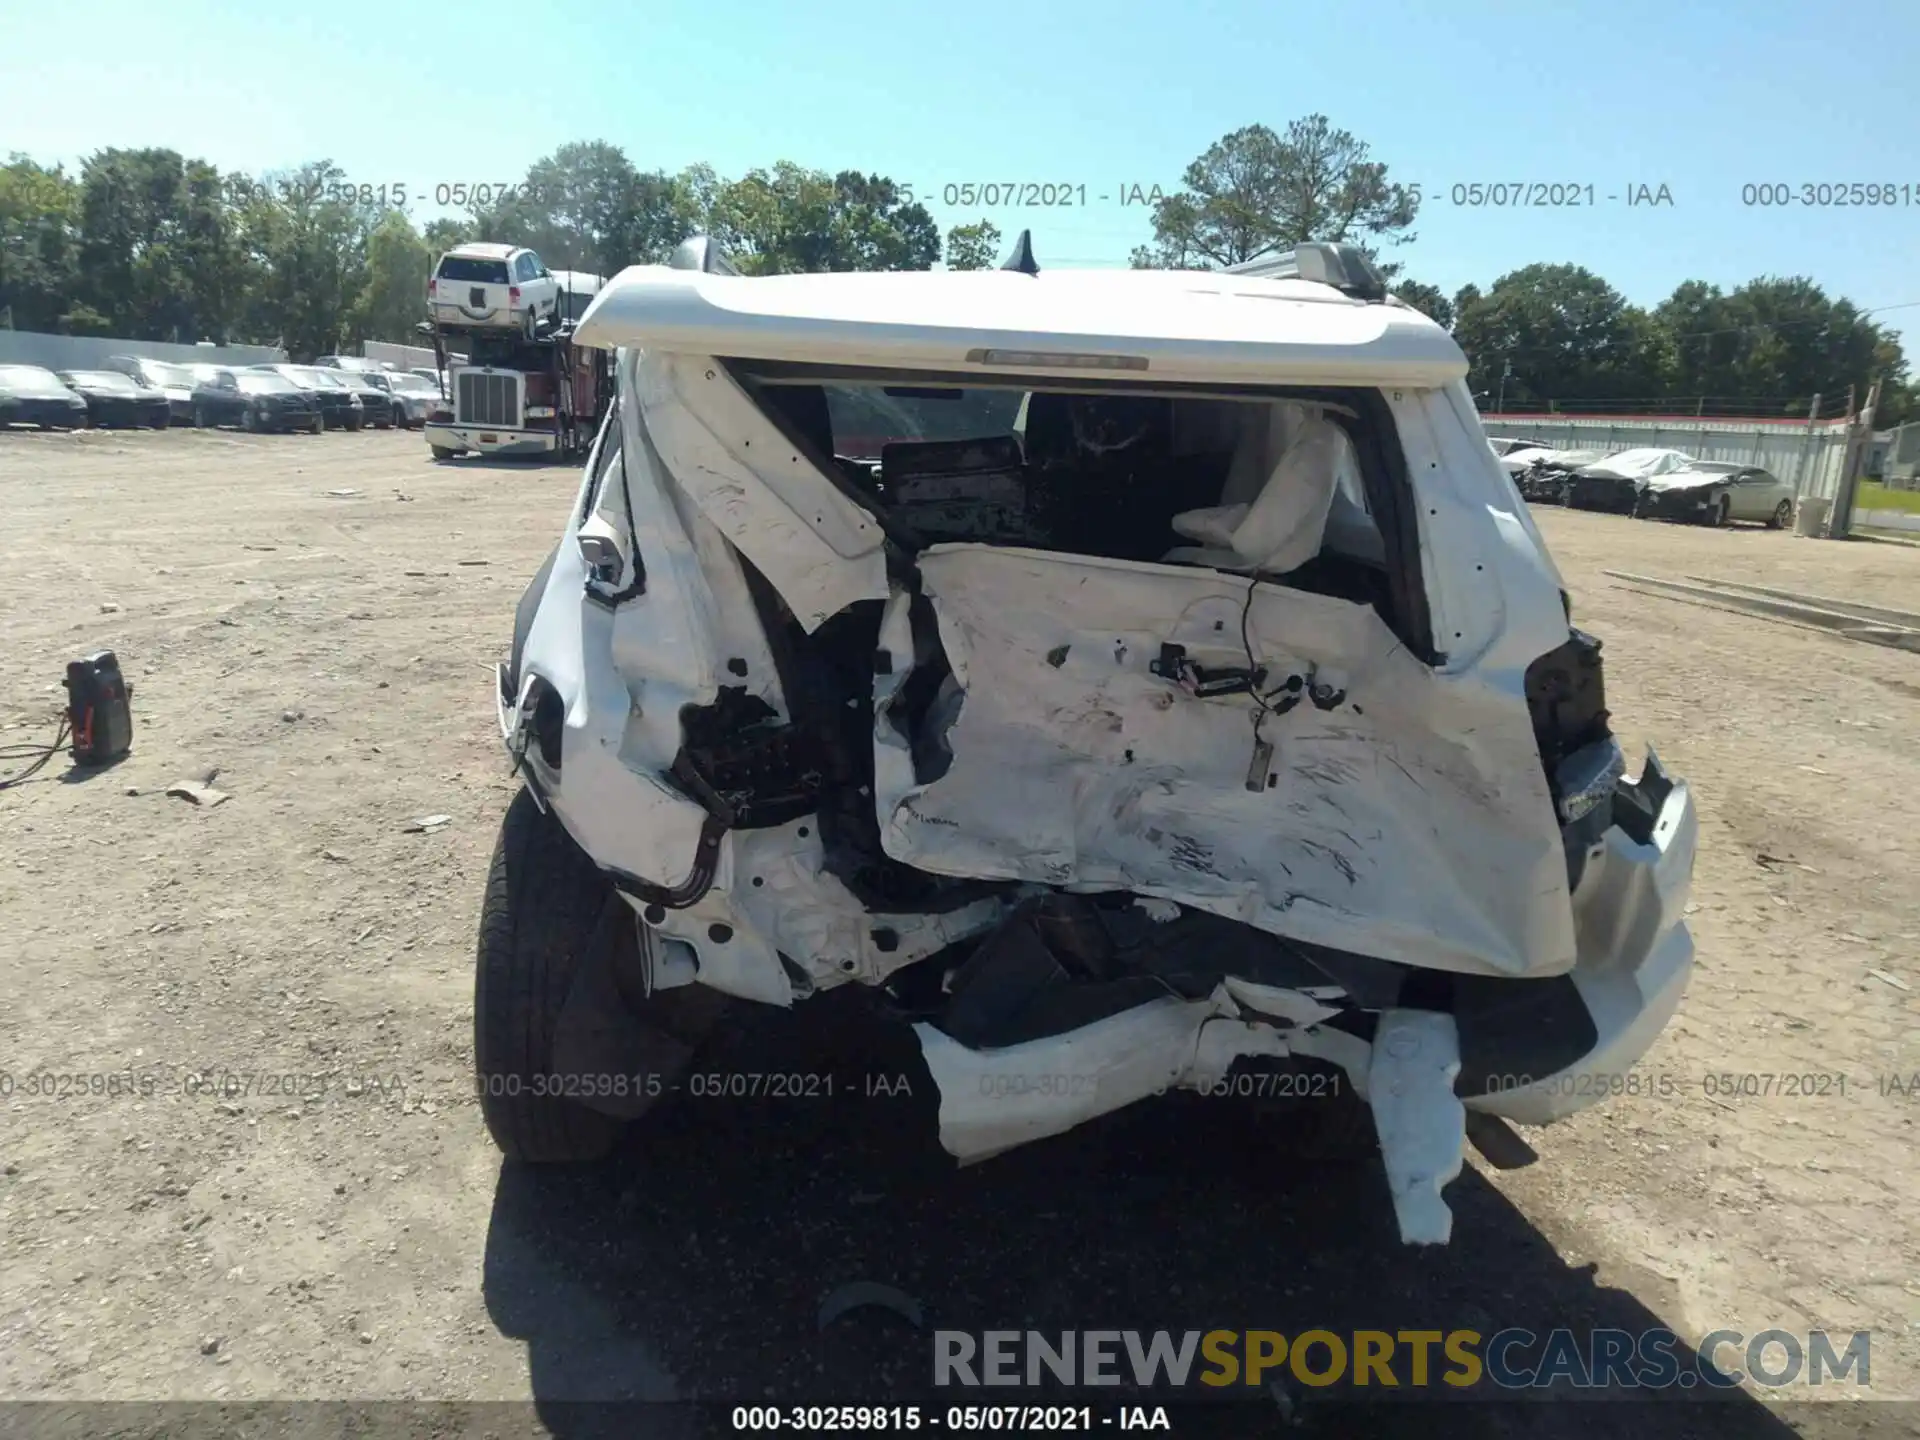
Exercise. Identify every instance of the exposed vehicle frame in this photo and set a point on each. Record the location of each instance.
(1329, 784)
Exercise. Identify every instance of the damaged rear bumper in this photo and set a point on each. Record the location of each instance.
(1635, 958)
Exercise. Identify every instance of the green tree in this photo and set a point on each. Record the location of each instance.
(156, 250)
(586, 207)
(39, 243)
(442, 234)
(1776, 340)
(1428, 300)
(1253, 192)
(393, 300)
(793, 219)
(1567, 334)
(973, 247)
(313, 245)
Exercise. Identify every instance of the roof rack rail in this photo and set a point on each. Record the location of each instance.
(1345, 267)
(702, 253)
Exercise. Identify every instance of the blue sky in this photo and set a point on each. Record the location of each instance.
(1105, 95)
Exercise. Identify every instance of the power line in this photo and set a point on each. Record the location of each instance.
(1765, 325)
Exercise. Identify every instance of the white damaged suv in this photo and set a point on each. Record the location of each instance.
(1140, 677)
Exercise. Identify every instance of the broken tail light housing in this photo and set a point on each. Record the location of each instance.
(1586, 778)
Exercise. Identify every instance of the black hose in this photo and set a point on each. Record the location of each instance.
(39, 755)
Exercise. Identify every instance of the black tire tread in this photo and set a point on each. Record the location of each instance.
(546, 907)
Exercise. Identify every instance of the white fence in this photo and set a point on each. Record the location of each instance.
(90, 352)
(402, 357)
(1807, 455)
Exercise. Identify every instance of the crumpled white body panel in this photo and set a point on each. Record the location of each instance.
(1411, 822)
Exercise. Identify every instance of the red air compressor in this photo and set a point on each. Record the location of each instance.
(98, 717)
(98, 711)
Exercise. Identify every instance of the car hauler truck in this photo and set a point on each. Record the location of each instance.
(511, 395)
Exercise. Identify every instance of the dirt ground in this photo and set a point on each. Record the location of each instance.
(355, 1236)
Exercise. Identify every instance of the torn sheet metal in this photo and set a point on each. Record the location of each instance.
(1405, 815)
(993, 1100)
(819, 549)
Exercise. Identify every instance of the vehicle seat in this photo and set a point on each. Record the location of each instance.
(1284, 524)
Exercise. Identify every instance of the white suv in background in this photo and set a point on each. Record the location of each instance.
(493, 286)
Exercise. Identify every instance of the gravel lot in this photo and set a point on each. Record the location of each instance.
(358, 1237)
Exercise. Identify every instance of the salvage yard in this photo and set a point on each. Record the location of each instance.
(313, 618)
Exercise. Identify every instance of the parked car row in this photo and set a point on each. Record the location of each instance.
(134, 390)
(76, 399)
(1648, 482)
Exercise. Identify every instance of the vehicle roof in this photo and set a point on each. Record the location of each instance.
(484, 250)
(1188, 326)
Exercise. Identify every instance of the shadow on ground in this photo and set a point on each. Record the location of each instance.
(693, 1264)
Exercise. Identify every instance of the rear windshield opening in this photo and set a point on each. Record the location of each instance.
(1286, 486)
(470, 271)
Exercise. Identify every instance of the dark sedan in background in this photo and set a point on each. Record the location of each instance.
(32, 396)
(176, 382)
(1614, 483)
(376, 399)
(254, 400)
(116, 399)
(339, 407)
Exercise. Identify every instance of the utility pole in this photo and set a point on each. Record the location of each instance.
(1506, 372)
(1859, 440)
(1806, 451)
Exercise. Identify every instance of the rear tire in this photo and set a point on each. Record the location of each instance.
(1782, 513)
(548, 915)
